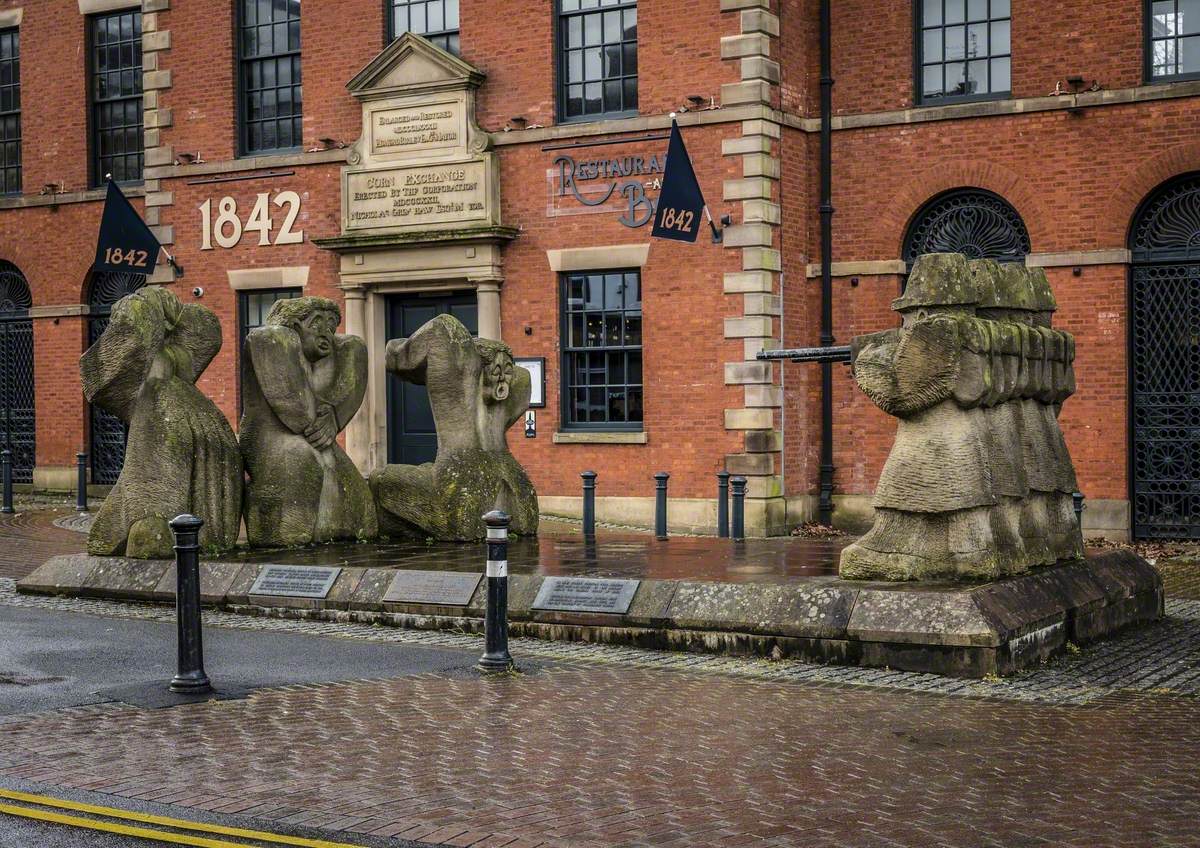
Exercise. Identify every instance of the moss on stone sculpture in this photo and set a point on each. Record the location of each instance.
(476, 392)
(978, 483)
(181, 455)
(301, 385)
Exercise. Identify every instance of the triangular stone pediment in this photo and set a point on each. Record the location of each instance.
(412, 64)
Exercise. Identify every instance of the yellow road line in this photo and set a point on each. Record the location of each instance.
(146, 818)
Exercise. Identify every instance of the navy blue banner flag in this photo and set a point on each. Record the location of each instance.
(681, 202)
(126, 243)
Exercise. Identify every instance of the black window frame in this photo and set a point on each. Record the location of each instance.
(11, 172)
(1148, 40)
(98, 169)
(447, 39)
(920, 98)
(561, 61)
(244, 327)
(244, 149)
(567, 352)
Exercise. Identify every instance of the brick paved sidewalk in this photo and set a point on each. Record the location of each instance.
(614, 756)
(29, 538)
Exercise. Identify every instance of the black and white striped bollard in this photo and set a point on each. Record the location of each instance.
(496, 657)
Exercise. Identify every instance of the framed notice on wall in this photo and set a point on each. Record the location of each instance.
(536, 366)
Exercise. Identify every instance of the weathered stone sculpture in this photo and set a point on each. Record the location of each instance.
(978, 484)
(301, 385)
(477, 393)
(181, 455)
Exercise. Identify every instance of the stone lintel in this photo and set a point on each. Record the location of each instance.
(1114, 256)
(581, 437)
(865, 269)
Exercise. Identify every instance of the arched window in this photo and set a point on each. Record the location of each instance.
(1164, 318)
(107, 432)
(971, 221)
(17, 425)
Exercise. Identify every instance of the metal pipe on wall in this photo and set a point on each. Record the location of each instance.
(825, 496)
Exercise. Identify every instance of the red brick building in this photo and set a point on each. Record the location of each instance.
(280, 147)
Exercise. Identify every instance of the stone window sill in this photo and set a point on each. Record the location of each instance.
(611, 437)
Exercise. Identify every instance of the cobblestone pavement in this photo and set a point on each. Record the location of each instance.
(29, 538)
(614, 755)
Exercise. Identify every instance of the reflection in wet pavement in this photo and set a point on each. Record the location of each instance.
(632, 555)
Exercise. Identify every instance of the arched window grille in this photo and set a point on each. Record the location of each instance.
(971, 221)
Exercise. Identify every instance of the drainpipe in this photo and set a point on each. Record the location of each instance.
(825, 497)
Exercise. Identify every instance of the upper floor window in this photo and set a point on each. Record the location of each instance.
(437, 20)
(269, 79)
(963, 49)
(10, 111)
(116, 89)
(597, 46)
(602, 350)
(1173, 39)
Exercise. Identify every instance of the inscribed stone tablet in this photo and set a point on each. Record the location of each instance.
(586, 594)
(295, 581)
(433, 587)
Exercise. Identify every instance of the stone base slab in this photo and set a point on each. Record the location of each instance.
(962, 631)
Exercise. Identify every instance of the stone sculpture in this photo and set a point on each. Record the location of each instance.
(181, 455)
(978, 483)
(301, 385)
(476, 392)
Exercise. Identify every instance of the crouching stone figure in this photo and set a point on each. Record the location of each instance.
(181, 455)
(477, 393)
(302, 384)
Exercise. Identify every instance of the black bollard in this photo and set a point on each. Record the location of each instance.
(722, 504)
(81, 482)
(739, 508)
(496, 657)
(190, 678)
(589, 504)
(6, 471)
(660, 504)
(1077, 499)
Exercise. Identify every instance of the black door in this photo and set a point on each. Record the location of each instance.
(412, 438)
(1165, 362)
(17, 428)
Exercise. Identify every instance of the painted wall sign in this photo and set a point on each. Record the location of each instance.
(605, 185)
(269, 215)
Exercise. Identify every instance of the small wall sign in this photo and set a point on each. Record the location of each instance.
(536, 366)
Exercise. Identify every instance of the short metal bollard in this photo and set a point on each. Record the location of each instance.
(722, 504)
(496, 657)
(739, 508)
(6, 471)
(81, 482)
(190, 678)
(1077, 500)
(660, 504)
(589, 504)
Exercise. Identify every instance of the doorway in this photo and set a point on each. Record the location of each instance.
(411, 435)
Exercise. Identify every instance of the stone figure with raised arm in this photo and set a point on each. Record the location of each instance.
(302, 383)
(477, 392)
(181, 455)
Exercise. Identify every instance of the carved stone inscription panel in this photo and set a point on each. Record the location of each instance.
(416, 196)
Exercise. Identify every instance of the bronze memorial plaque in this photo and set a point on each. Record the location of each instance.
(295, 581)
(448, 588)
(586, 594)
